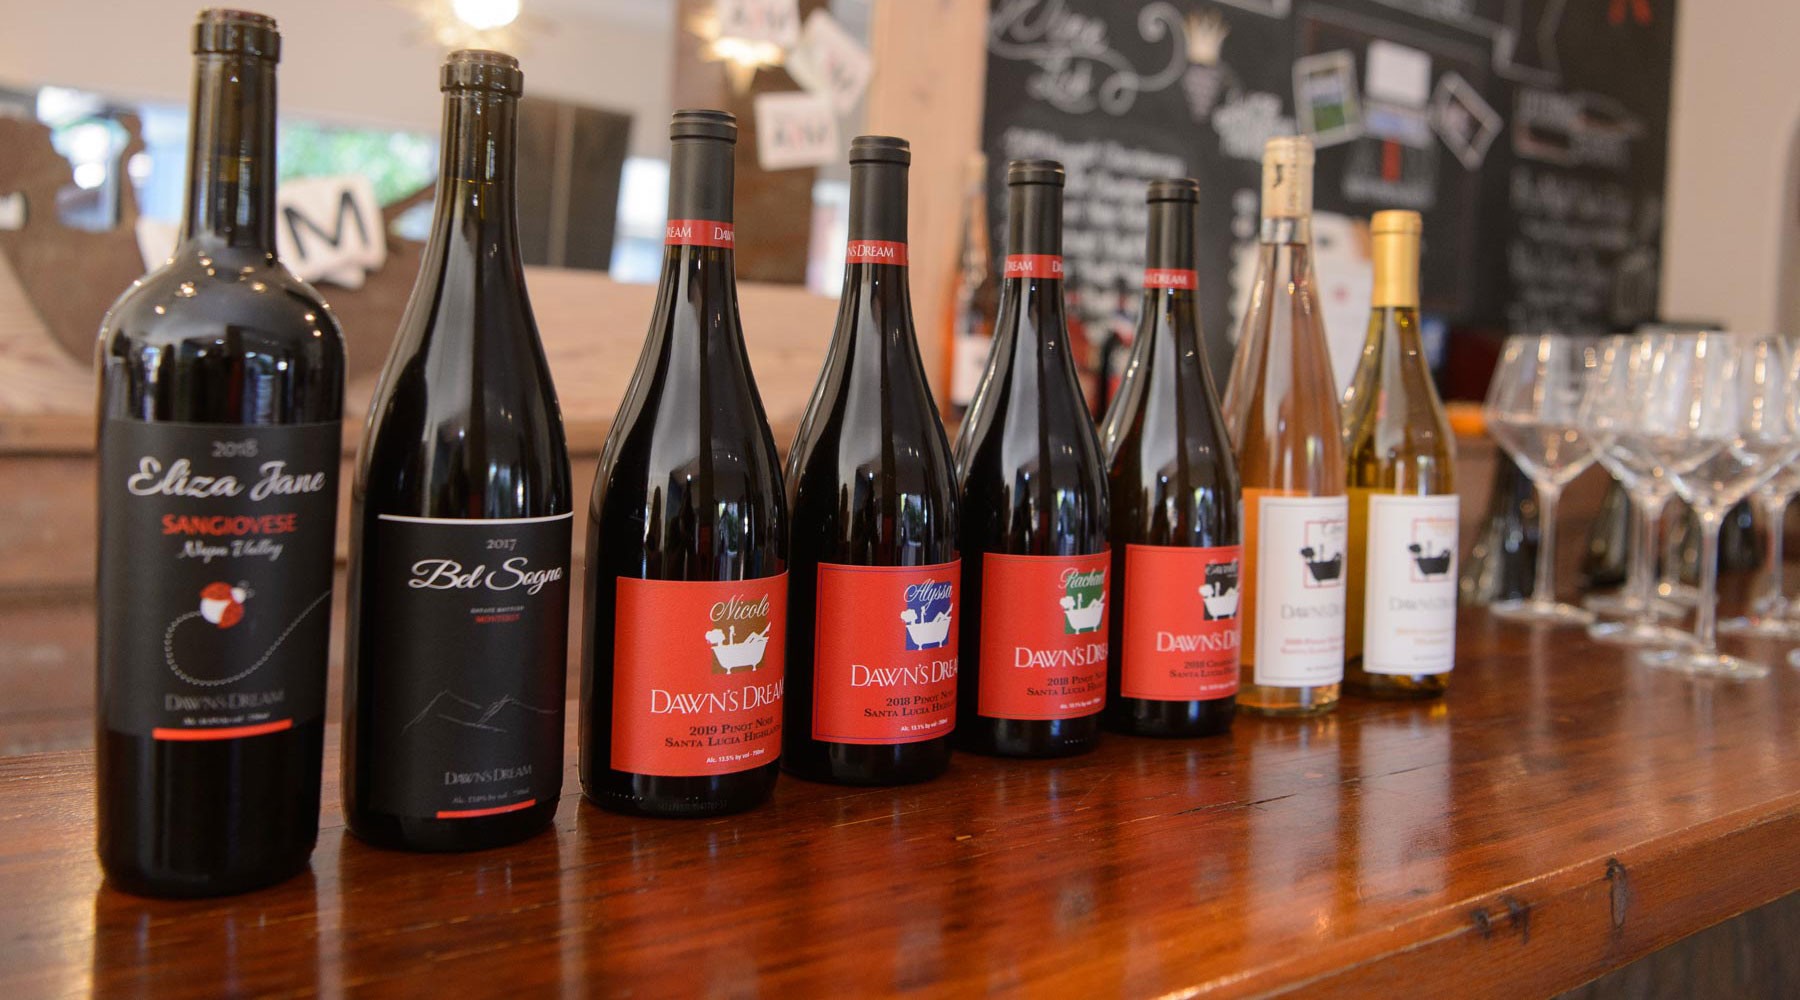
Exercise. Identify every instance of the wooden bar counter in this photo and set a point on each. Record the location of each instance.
(1561, 813)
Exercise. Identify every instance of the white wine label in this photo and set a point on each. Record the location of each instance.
(1302, 545)
(1409, 614)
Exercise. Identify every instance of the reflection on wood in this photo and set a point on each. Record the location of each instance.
(1562, 813)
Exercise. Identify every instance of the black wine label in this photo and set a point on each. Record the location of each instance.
(215, 576)
(469, 623)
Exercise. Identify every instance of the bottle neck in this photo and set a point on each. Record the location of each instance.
(1286, 229)
(700, 231)
(231, 154)
(1396, 261)
(875, 258)
(476, 189)
(1034, 221)
(1032, 297)
(1170, 278)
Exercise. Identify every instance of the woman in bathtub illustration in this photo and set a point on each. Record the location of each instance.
(731, 654)
(926, 634)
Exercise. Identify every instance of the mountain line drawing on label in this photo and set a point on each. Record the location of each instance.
(453, 708)
(222, 605)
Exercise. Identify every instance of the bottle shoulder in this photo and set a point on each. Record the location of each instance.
(201, 296)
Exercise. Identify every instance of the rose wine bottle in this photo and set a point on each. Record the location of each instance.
(456, 655)
(686, 601)
(1281, 408)
(1401, 617)
(221, 409)
(1174, 493)
(872, 585)
(1035, 559)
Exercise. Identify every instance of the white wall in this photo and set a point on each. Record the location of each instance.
(1736, 112)
(343, 61)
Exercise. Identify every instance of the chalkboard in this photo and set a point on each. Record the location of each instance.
(1532, 135)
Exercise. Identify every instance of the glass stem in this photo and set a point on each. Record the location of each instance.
(1543, 589)
(1640, 581)
(1772, 508)
(1706, 612)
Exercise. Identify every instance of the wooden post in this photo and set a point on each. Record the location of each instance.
(928, 84)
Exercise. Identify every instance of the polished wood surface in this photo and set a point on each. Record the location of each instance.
(1561, 813)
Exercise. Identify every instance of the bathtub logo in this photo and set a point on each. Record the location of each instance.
(927, 614)
(740, 633)
(1323, 554)
(1219, 594)
(1433, 548)
(1083, 601)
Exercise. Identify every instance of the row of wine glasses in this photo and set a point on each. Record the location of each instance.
(1708, 417)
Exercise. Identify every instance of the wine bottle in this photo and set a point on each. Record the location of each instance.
(456, 654)
(221, 407)
(686, 600)
(1175, 498)
(1400, 622)
(872, 581)
(1035, 560)
(1281, 407)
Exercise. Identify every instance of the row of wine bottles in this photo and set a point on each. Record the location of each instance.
(848, 619)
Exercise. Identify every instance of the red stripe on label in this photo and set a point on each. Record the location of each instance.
(875, 252)
(699, 233)
(221, 732)
(1034, 265)
(473, 813)
(1170, 277)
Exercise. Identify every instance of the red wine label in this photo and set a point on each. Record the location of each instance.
(884, 662)
(1181, 623)
(875, 252)
(698, 672)
(464, 654)
(1043, 636)
(216, 559)
(699, 233)
(1034, 265)
(1170, 277)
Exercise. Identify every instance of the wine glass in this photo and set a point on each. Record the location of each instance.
(1532, 412)
(1736, 427)
(1624, 424)
(1771, 614)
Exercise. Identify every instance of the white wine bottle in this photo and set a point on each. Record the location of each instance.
(1401, 627)
(1281, 409)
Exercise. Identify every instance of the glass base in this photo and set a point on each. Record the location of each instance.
(1533, 612)
(1641, 633)
(1702, 664)
(1619, 604)
(1762, 626)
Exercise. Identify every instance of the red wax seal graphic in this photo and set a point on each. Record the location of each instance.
(222, 604)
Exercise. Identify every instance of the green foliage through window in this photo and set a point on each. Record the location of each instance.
(396, 163)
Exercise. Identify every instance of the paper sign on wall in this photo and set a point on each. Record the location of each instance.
(330, 229)
(830, 63)
(773, 21)
(794, 129)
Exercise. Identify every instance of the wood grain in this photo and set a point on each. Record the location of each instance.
(1562, 813)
